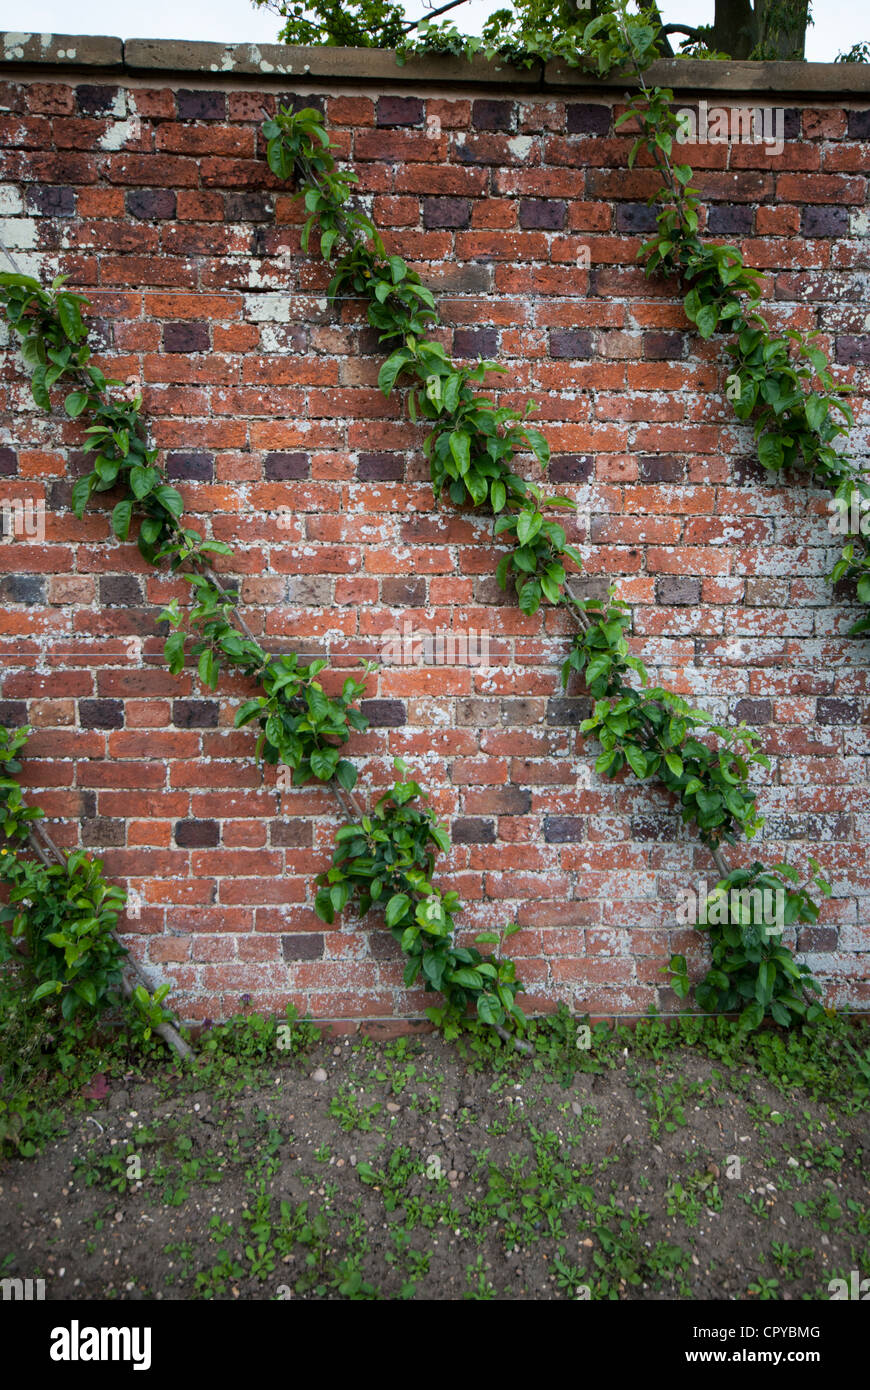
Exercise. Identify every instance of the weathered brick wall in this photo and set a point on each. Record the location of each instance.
(151, 191)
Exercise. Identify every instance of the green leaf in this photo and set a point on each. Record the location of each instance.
(770, 451)
(391, 369)
(122, 515)
(530, 597)
(323, 762)
(142, 480)
(81, 492)
(75, 403)
(40, 389)
(635, 759)
(345, 773)
(279, 159)
(70, 317)
(48, 987)
(396, 908)
(170, 499)
(528, 526)
(460, 448)
(86, 990)
(173, 650)
(208, 669)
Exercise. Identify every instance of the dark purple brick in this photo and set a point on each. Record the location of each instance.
(570, 468)
(300, 103)
(587, 118)
(663, 347)
(369, 343)
(825, 221)
(859, 125)
(853, 348)
(195, 714)
(511, 801)
(635, 217)
(384, 714)
(791, 123)
(475, 342)
(660, 468)
(281, 468)
(726, 220)
(547, 214)
(650, 826)
(831, 710)
(570, 342)
(248, 207)
(292, 834)
(202, 106)
(677, 591)
(101, 714)
(380, 468)
(492, 115)
(94, 101)
(8, 462)
(13, 713)
(568, 710)
(100, 831)
(563, 830)
(120, 591)
(190, 467)
(446, 212)
(22, 588)
(754, 712)
(401, 592)
(51, 200)
(151, 203)
(197, 834)
(470, 830)
(186, 337)
(821, 939)
(400, 111)
(303, 946)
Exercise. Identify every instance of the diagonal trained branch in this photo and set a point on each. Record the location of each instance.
(471, 452)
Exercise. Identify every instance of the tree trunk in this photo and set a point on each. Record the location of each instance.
(767, 29)
(734, 28)
(782, 27)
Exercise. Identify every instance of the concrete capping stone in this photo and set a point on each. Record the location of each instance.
(60, 50)
(246, 61)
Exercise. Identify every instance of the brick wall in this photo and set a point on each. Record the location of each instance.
(151, 191)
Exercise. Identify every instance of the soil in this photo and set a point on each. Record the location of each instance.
(676, 1178)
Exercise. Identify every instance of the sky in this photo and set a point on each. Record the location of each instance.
(840, 23)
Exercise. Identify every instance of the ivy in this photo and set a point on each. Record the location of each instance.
(386, 861)
(475, 451)
(301, 727)
(64, 914)
(752, 971)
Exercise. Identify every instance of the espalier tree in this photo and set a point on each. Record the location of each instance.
(384, 858)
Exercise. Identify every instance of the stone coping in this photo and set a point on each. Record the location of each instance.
(247, 62)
